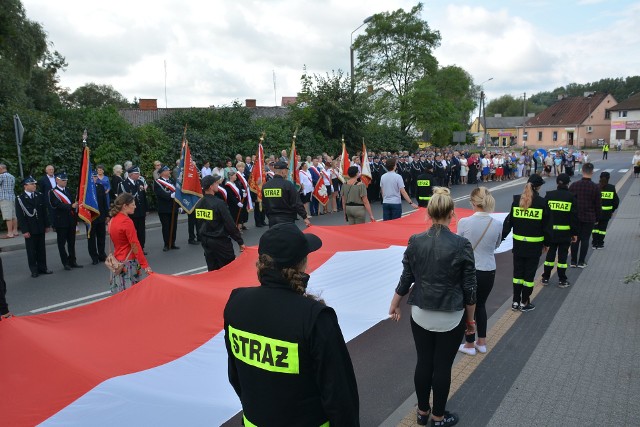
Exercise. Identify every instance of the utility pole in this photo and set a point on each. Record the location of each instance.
(524, 124)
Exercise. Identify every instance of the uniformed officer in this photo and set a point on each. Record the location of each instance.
(610, 202)
(65, 219)
(138, 189)
(424, 186)
(530, 219)
(416, 170)
(33, 223)
(165, 191)
(280, 198)
(288, 361)
(564, 209)
(215, 226)
(98, 233)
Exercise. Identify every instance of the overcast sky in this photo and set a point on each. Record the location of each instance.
(220, 51)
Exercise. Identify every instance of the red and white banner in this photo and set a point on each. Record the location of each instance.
(365, 175)
(345, 163)
(320, 192)
(154, 354)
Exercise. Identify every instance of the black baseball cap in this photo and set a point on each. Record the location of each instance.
(563, 179)
(536, 180)
(281, 165)
(209, 180)
(287, 245)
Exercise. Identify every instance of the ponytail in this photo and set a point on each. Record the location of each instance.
(526, 199)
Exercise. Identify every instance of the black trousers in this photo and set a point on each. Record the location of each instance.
(605, 155)
(96, 241)
(259, 215)
(524, 273)
(485, 281)
(36, 253)
(217, 252)
(562, 249)
(4, 307)
(165, 222)
(66, 237)
(582, 245)
(192, 226)
(436, 351)
(139, 224)
(599, 232)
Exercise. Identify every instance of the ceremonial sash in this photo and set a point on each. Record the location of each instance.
(327, 176)
(223, 192)
(167, 185)
(61, 196)
(233, 188)
(245, 184)
(313, 168)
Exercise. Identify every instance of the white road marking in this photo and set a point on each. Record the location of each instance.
(608, 170)
(596, 170)
(38, 310)
(623, 170)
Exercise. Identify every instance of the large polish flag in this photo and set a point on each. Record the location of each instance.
(154, 355)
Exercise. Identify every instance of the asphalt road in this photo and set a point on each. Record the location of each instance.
(383, 357)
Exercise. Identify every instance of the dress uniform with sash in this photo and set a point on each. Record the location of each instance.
(98, 233)
(610, 202)
(165, 191)
(33, 223)
(564, 211)
(136, 187)
(216, 227)
(424, 187)
(531, 231)
(65, 218)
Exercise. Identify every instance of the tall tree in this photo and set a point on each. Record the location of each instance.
(97, 95)
(394, 53)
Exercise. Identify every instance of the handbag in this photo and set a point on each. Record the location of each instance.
(112, 262)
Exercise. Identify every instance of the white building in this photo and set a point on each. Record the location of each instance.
(625, 121)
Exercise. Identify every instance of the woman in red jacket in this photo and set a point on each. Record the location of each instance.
(127, 248)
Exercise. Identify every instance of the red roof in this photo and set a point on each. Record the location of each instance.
(568, 111)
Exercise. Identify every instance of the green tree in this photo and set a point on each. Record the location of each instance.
(393, 55)
(97, 95)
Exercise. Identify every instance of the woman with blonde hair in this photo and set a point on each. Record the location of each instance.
(439, 271)
(485, 235)
(530, 219)
(636, 163)
(116, 180)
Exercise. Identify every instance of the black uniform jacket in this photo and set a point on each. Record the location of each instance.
(288, 361)
(136, 189)
(103, 206)
(32, 213)
(424, 188)
(564, 213)
(163, 195)
(63, 214)
(214, 220)
(532, 227)
(280, 198)
(610, 201)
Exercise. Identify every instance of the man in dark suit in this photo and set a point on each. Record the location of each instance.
(98, 233)
(138, 189)
(45, 184)
(33, 223)
(165, 190)
(62, 202)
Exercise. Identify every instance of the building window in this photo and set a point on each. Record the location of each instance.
(555, 135)
(622, 114)
(540, 135)
(607, 114)
(621, 134)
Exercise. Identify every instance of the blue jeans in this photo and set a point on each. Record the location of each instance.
(391, 211)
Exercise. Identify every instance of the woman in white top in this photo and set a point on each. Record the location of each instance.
(464, 170)
(485, 235)
(206, 169)
(306, 185)
(636, 164)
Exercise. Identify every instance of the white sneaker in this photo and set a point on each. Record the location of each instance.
(465, 350)
(480, 348)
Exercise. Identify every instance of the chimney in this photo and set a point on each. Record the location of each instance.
(250, 103)
(148, 104)
(588, 94)
(497, 115)
(531, 114)
(560, 97)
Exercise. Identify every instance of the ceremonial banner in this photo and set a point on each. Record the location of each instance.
(320, 192)
(154, 355)
(188, 188)
(365, 174)
(88, 209)
(257, 177)
(345, 163)
(292, 174)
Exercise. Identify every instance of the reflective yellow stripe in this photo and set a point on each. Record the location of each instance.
(528, 284)
(562, 265)
(265, 353)
(561, 227)
(607, 195)
(204, 214)
(607, 208)
(248, 423)
(531, 213)
(423, 183)
(599, 232)
(424, 198)
(272, 192)
(528, 239)
(559, 206)
(549, 264)
(517, 281)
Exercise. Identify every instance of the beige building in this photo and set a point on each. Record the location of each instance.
(577, 121)
(502, 130)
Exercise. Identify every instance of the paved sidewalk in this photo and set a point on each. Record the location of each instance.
(575, 360)
(17, 243)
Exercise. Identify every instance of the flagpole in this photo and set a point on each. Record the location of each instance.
(173, 206)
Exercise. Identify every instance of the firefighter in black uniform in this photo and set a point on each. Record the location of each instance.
(610, 202)
(288, 361)
(530, 219)
(280, 198)
(165, 191)
(64, 205)
(138, 189)
(215, 226)
(33, 223)
(564, 210)
(416, 170)
(98, 234)
(424, 186)
(440, 171)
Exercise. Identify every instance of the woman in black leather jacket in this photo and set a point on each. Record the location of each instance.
(439, 270)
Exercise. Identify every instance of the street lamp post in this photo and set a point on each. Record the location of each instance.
(365, 22)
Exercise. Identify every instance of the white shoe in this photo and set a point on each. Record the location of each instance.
(465, 350)
(480, 348)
